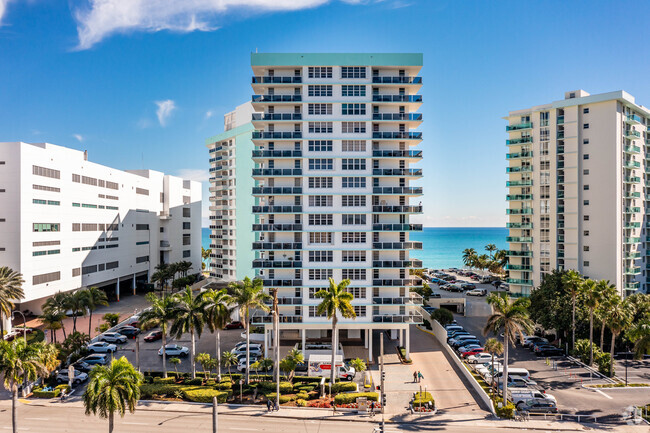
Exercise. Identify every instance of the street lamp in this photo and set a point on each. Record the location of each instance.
(24, 323)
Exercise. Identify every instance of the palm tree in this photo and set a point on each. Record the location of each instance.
(160, 314)
(52, 322)
(573, 281)
(491, 248)
(336, 299)
(469, 256)
(482, 262)
(619, 318)
(94, 298)
(11, 289)
(228, 359)
(112, 388)
(493, 347)
(205, 360)
(205, 255)
(19, 362)
(639, 334)
(49, 358)
(175, 362)
(291, 362)
(57, 305)
(184, 267)
(189, 316)
(607, 297)
(76, 302)
(249, 295)
(511, 318)
(217, 316)
(593, 295)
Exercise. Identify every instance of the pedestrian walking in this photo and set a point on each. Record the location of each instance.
(372, 408)
(63, 394)
(420, 376)
(269, 405)
(415, 376)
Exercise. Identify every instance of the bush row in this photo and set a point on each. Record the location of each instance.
(422, 398)
(352, 397)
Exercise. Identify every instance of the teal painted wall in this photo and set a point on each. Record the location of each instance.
(336, 59)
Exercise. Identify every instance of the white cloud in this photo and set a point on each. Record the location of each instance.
(209, 114)
(164, 110)
(3, 9)
(103, 18)
(79, 137)
(196, 174)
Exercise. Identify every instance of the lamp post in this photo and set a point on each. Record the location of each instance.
(24, 323)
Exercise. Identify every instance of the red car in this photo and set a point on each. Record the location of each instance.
(234, 325)
(153, 336)
(472, 352)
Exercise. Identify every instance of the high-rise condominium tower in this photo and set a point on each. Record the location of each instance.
(577, 190)
(333, 187)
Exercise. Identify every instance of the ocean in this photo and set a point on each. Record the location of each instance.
(443, 246)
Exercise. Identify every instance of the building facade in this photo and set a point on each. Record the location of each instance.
(333, 188)
(577, 187)
(67, 223)
(231, 202)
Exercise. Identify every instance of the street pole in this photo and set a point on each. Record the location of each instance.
(382, 383)
(276, 337)
(24, 324)
(219, 354)
(214, 414)
(137, 351)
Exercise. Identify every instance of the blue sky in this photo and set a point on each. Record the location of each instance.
(142, 84)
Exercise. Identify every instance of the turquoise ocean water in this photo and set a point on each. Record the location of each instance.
(442, 246)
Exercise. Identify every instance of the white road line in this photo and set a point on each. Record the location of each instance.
(242, 428)
(600, 392)
(135, 423)
(39, 419)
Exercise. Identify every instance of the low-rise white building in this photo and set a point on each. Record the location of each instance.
(66, 222)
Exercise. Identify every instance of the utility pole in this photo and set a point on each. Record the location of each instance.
(137, 351)
(276, 338)
(214, 414)
(382, 383)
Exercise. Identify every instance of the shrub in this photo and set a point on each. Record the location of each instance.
(506, 412)
(306, 388)
(204, 395)
(604, 362)
(63, 386)
(283, 398)
(422, 398)
(344, 387)
(307, 379)
(427, 324)
(313, 395)
(224, 385)
(167, 380)
(302, 395)
(351, 397)
(443, 316)
(193, 382)
(39, 393)
(301, 402)
(148, 391)
(210, 382)
(402, 354)
(285, 387)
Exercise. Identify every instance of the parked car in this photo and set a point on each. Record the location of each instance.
(465, 342)
(477, 292)
(542, 346)
(129, 331)
(452, 334)
(234, 325)
(252, 350)
(243, 344)
(468, 286)
(174, 350)
(454, 288)
(538, 406)
(95, 359)
(429, 309)
(549, 351)
(63, 377)
(101, 347)
(532, 339)
(435, 295)
(533, 347)
(153, 336)
(518, 382)
(113, 337)
(82, 366)
(474, 351)
(479, 358)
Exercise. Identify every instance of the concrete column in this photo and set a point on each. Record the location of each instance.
(303, 335)
(407, 346)
(370, 345)
(365, 340)
(266, 342)
(117, 290)
(401, 337)
(133, 284)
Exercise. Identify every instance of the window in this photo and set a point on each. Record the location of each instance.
(187, 212)
(585, 126)
(585, 263)
(187, 239)
(142, 243)
(319, 72)
(544, 135)
(319, 109)
(585, 156)
(88, 180)
(353, 182)
(357, 292)
(353, 164)
(353, 72)
(141, 259)
(89, 269)
(586, 217)
(321, 164)
(353, 274)
(46, 188)
(586, 233)
(321, 256)
(46, 227)
(353, 127)
(45, 243)
(142, 226)
(141, 191)
(320, 200)
(320, 220)
(360, 310)
(544, 191)
(186, 226)
(585, 141)
(88, 227)
(353, 145)
(586, 187)
(353, 109)
(320, 182)
(320, 238)
(313, 311)
(354, 256)
(112, 265)
(319, 274)
(585, 202)
(353, 238)
(320, 127)
(353, 200)
(353, 219)
(112, 185)
(545, 235)
(319, 90)
(585, 248)
(544, 165)
(320, 145)
(585, 171)
(353, 90)
(585, 110)
(46, 172)
(46, 278)
(187, 253)
(76, 272)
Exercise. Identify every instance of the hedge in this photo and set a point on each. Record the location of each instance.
(285, 387)
(149, 390)
(344, 387)
(202, 395)
(307, 379)
(63, 386)
(506, 412)
(422, 398)
(301, 403)
(302, 395)
(351, 397)
(195, 382)
(283, 398)
(224, 385)
(166, 380)
(39, 393)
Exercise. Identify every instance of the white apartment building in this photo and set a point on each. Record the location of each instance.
(231, 202)
(67, 223)
(578, 190)
(333, 186)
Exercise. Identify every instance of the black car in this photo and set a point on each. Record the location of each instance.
(435, 295)
(550, 351)
(129, 331)
(82, 366)
(468, 286)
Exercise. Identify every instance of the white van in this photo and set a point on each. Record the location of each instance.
(522, 395)
(519, 372)
(321, 365)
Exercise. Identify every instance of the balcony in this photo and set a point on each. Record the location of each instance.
(277, 227)
(632, 149)
(277, 246)
(411, 172)
(631, 240)
(277, 264)
(560, 194)
(396, 98)
(521, 140)
(397, 245)
(397, 263)
(631, 179)
(398, 318)
(268, 135)
(632, 164)
(277, 209)
(514, 183)
(632, 286)
(395, 282)
(406, 190)
(632, 195)
(519, 225)
(632, 225)
(401, 300)
(519, 239)
(276, 190)
(397, 209)
(276, 116)
(282, 283)
(397, 135)
(560, 209)
(519, 282)
(165, 246)
(512, 253)
(632, 271)
(560, 150)
(277, 98)
(560, 164)
(266, 79)
(277, 172)
(397, 80)
(518, 267)
(277, 154)
(519, 126)
(560, 254)
(163, 215)
(632, 210)
(397, 227)
(285, 300)
(519, 211)
(560, 135)
(560, 180)
(631, 134)
(560, 120)
(519, 197)
(402, 117)
(261, 320)
(520, 155)
(397, 153)
(634, 255)
(632, 119)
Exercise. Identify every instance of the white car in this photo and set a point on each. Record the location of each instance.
(241, 365)
(63, 377)
(479, 358)
(242, 349)
(174, 350)
(113, 337)
(477, 292)
(101, 347)
(243, 344)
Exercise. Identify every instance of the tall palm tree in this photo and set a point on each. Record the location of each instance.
(160, 314)
(189, 316)
(217, 316)
(469, 255)
(76, 302)
(335, 300)
(573, 282)
(512, 318)
(607, 297)
(11, 289)
(493, 347)
(205, 255)
(619, 318)
(57, 305)
(49, 358)
(18, 362)
(112, 388)
(639, 334)
(592, 294)
(248, 295)
(94, 298)
(228, 359)
(491, 248)
(52, 321)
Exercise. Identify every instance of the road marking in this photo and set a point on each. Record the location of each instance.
(600, 392)
(39, 419)
(242, 428)
(135, 423)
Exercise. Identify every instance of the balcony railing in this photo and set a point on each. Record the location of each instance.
(560, 135)
(519, 211)
(519, 282)
(397, 245)
(260, 320)
(397, 80)
(632, 134)
(276, 116)
(277, 227)
(519, 126)
(266, 79)
(632, 119)
(632, 149)
(277, 172)
(519, 239)
(522, 169)
(397, 263)
(277, 153)
(397, 135)
(416, 117)
(394, 282)
(397, 153)
(285, 300)
(282, 283)
(632, 271)
(518, 267)
(511, 183)
(277, 98)
(519, 141)
(397, 227)
(398, 318)
(560, 120)
(403, 300)
(519, 253)
(632, 286)
(276, 135)
(519, 225)
(414, 190)
(277, 246)
(396, 98)
(397, 172)
(276, 190)
(519, 155)
(397, 209)
(519, 197)
(631, 179)
(277, 209)
(275, 264)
